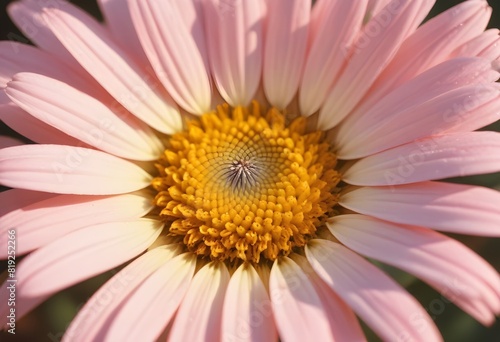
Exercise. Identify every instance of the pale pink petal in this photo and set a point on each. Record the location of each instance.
(374, 7)
(468, 280)
(234, 40)
(69, 170)
(447, 207)
(173, 53)
(78, 256)
(431, 44)
(448, 95)
(32, 128)
(370, 54)
(118, 20)
(83, 117)
(247, 313)
(285, 49)
(191, 13)
(119, 74)
(6, 141)
(16, 198)
(152, 305)
(27, 15)
(379, 301)
(298, 310)
(486, 45)
(83, 254)
(343, 322)
(16, 57)
(431, 158)
(328, 52)
(100, 308)
(203, 305)
(37, 224)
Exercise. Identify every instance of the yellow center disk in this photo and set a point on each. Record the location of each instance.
(239, 184)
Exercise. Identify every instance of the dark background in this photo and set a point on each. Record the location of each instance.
(48, 321)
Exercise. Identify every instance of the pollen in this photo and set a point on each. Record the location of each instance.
(238, 184)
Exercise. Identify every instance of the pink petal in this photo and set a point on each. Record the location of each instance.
(446, 96)
(374, 49)
(374, 7)
(285, 49)
(173, 53)
(468, 281)
(87, 252)
(119, 74)
(151, 306)
(83, 117)
(27, 15)
(448, 207)
(203, 305)
(118, 20)
(298, 310)
(486, 45)
(343, 322)
(78, 256)
(431, 158)
(247, 313)
(191, 13)
(100, 309)
(234, 38)
(16, 57)
(379, 301)
(41, 222)
(69, 170)
(14, 199)
(6, 141)
(429, 45)
(32, 128)
(328, 53)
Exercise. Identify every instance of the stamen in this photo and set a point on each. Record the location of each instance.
(243, 173)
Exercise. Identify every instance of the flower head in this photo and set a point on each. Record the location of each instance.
(244, 157)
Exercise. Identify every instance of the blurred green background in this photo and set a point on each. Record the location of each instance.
(49, 321)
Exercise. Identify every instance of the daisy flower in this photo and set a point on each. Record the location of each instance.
(244, 158)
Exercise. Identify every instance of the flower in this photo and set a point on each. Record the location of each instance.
(245, 156)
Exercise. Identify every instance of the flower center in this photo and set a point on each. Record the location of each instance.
(239, 184)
